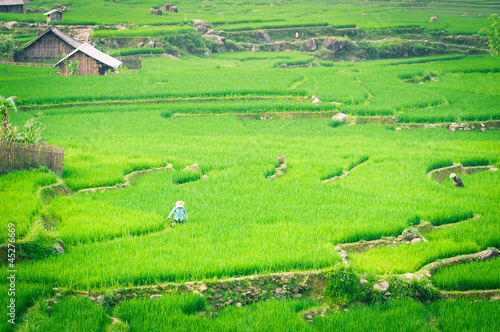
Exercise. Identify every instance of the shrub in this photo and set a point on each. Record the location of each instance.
(167, 114)
(342, 285)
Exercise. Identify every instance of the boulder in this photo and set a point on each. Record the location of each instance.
(10, 25)
(58, 249)
(416, 240)
(262, 36)
(155, 11)
(410, 276)
(201, 29)
(202, 23)
(166, 7)
(194, 168)
(151, 44)
(409, 236)
(315, 100)
(381, 285)
(334, 45)
(255, 49)
(433, 19)
(311, 44)
(140, 45)
(340, 117)
(173, 9)
(208, 53)
(219, 39)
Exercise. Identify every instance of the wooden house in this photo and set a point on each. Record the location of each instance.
(48, 46)
(91, 61)
(53, 16)
(13, 6)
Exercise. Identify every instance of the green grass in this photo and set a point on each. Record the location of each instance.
(142, 32)
(135, 51)
(471, 276)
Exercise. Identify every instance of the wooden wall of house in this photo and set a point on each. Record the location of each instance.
(17, 9)
(86, 65)
(54, 17)
(47, 47)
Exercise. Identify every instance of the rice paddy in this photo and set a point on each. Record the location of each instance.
(232, 113)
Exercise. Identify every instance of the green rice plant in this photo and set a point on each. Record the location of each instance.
(70, 314)
(450, 217)
(21, 202)
(463, 315)
(357, 162)
(471, 276)
(336, 123)
(439, 164)
(475, 162)
(336, 171)
(135, 51)
(26, 295)
(415, 220)
(403, 315)
(181, 177)
(142, 32)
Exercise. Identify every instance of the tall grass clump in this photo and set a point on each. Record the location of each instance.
(439, 164)
(342, 285)
(37, 244)
(470, 276)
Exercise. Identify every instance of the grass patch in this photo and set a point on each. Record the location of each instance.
(470, 276)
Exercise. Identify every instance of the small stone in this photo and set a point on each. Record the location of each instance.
(409, 276)
(416, 240)
(315, 100)
(203, 288)
(238, 304)
(156, 296)
(204, 176)
(363, 281)
(58, 249)
(194, 168)
(382, 286)
(297, 296)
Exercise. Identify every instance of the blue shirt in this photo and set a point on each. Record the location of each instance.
(179, 213)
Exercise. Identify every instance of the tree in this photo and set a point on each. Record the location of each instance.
(493, 34)
(32, 132)
(7, 105)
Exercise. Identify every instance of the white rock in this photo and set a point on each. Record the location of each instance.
(315, 100)
(381, 286)
(340, 117)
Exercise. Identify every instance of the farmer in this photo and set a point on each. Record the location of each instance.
(179, 211)
(297, 36)
(456, 180)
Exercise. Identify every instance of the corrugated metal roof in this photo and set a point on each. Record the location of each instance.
(52, 11)
(13, 2)
(93, 52)
(67, 39)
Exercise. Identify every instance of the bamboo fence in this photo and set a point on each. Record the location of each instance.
(20, 156)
